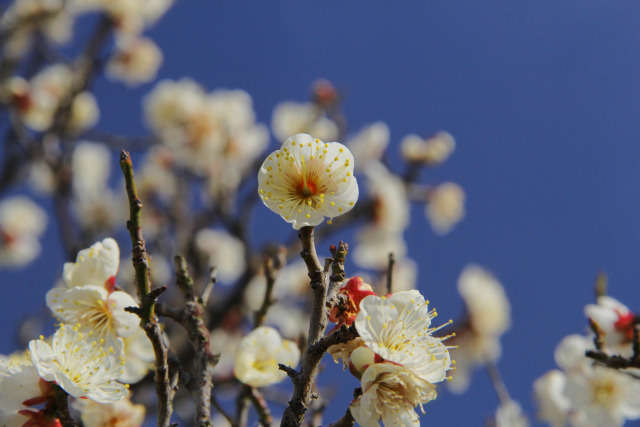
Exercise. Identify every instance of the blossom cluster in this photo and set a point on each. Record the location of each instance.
(97, 349)
(583, 392)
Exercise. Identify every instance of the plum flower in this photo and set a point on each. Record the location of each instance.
(350, 295)
(97, 312)
(96, 265)
(614, 318)
(307, 180)
(81, 368)
(258, 355)
(390, 392)
(398, 329)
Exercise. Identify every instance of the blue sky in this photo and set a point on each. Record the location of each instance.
(542, 98)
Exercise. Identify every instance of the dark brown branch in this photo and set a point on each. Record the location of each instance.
(304, 380)
(148, 321)
(345, 421)
(62, 407)
(270, 275)
(598, 334)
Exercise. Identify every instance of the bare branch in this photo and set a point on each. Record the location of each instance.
(392, 261)
(148, 320)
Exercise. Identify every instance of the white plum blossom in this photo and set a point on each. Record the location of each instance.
(291, 117)
(135, 61)
(82, 368)
(370, 143)
(21, 224)
(614, 318)
(553, 405)
(98, 313)
(39, 100)
(307, 180)
(486, 302)
(600, 396)
(432, 151)
(445, 207)
(389, 219)
(25, 18)
(258, 355)
(489, 316)
(122, 413)
(97, 265)
(206, 131)
(509, 414)
(398, 329)
(225, 252)
(90, 167)
(390, 393)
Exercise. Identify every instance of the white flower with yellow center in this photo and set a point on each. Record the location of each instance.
(390, 393)
(81, 368)
(307, 180)
(398, 329)
(94, 266)
(96, 312)
(258, 355)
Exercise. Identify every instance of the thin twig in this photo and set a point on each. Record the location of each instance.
(498, 383)
(260, 403)
(392, 261)
(147, 297)
(270, 275)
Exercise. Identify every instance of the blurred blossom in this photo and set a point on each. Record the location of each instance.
(600, 396)
(509, 414)
(307, 180)
(487, 304)
(135, 61)
(225, 343)
(122, 413)
(80, 368)
(291, 283)
(370, 143)
(96, 265)
(155, 177)
(204, 129)
(223, 251)
(138, 357)
(615, 319)
(434, 150)
(390, 202)
(24, 18)
(584, 393)
(130, 16)
(22, 222)
(489, 316)
(291, 117)
(445, 207)
(375, 244)
(41, 177)
(553, 405)
(39, 100)
(258, 355)
(569, 353)
(90, 167)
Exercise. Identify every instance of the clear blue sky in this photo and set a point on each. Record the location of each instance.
(542, 98)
